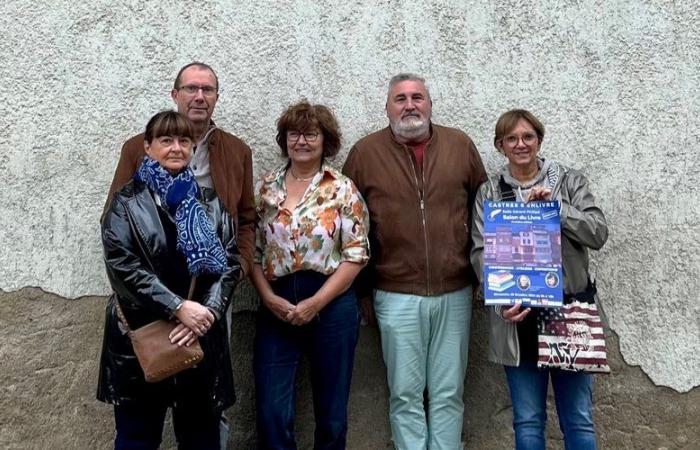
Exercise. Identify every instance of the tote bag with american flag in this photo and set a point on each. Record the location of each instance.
(571, 337)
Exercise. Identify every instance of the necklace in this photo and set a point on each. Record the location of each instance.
(300, 179)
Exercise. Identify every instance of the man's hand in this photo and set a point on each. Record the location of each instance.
(367, 310)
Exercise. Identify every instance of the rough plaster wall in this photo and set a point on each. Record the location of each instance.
(615, 82)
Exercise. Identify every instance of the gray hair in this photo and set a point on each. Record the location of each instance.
(406, 76)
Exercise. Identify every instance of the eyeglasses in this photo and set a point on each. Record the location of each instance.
(191, 89)
(309, 136)
(512, 140)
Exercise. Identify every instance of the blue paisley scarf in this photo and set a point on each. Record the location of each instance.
(196, 238)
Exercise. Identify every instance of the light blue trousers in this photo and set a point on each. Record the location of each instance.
(425, 344)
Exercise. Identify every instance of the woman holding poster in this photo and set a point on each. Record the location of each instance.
(514, 329)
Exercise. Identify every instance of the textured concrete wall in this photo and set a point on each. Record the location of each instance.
(616, 83)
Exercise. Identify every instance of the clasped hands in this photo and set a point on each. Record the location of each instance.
(194, 320)
(299, 314)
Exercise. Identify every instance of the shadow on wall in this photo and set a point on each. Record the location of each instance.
(50, 348)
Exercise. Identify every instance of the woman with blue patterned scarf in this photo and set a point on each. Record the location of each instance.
(161, 233)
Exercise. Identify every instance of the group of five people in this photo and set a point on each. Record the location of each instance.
(388, 238)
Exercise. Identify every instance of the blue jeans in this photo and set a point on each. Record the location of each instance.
(329, 341)
(425, 341)
(141, 427)
(573, 394)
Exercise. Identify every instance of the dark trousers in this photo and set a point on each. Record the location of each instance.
(329, 341)
(141, 427)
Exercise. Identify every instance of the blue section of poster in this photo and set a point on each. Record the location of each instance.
(522, 254)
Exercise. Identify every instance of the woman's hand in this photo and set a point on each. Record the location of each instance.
(195, 316)
(181, 335)
(278, 306)
(514, 314)
(538, 193)
(304, 312)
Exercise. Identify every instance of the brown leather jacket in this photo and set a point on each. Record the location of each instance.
(419, 220)
(231, 166)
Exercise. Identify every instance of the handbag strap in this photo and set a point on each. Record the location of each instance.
(120, 314)
(507, 193)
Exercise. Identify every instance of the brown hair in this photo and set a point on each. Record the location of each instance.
(509, 120)
(168, 123)
(199, 65)
(304, 116)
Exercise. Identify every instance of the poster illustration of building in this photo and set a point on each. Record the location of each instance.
(522, 254)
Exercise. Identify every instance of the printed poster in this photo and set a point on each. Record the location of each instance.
(522, 254)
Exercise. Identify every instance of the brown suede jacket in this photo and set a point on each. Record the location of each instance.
(419, 220)
(231, 166)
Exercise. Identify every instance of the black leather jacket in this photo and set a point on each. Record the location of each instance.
(149, 278)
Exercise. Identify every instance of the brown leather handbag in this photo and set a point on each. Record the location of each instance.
(158, 357)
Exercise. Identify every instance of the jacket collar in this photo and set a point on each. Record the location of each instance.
(557, 170)
(143, 213)
(211, 135)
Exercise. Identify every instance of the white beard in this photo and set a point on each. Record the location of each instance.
(410, 127)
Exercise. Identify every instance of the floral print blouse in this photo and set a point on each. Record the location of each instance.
(327, 227)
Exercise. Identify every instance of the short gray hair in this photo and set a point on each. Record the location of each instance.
(406, 76)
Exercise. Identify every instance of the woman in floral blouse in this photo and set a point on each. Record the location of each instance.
(311, 244)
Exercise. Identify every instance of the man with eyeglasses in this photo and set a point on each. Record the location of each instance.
(220, 161)
(419, 181)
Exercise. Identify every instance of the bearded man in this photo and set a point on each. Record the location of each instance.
(419, 180)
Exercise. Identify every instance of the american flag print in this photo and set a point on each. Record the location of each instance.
(572, 338)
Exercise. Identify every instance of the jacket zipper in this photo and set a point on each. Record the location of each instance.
(422, 213)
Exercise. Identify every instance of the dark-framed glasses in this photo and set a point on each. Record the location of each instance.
(191, 89)
(512, 140)
(309, 136)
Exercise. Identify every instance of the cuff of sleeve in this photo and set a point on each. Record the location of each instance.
(357, 255)
(563, 213)
(175, 306)
(214, 303)
(245, 269)
(499, 311)
(217, 316)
